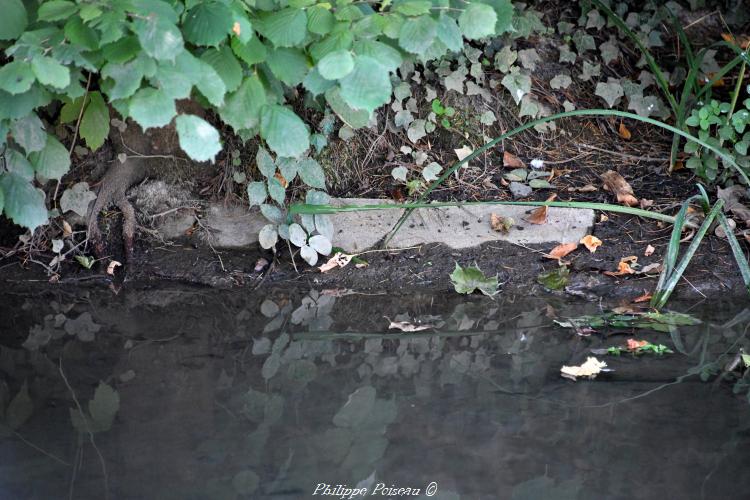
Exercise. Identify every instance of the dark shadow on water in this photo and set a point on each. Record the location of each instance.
(200, 394)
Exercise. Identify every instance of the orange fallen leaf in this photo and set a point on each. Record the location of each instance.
(649, 251)
(678, 165)
(623, 267)
(338, 260)
(561, 250)
(539, 215)
(111, 267)
(742, 41)
(588, 188)
(279, 177)
(591, 242)
(624, 132)
(617, 185)
(642, 298)
(710, 76)
(511, 160)
(236, 29)
(635, 344)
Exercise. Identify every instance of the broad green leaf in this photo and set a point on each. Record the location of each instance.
(335, 65)
(288, 168)
(28, 132)
(354, 118)
(80, 35)
(177, 78)
(226, 65)
(50, 72)
(468, 279)
(241, 109)
(505, 16)
(267, 237)
(265, 163)
(24, 204)
(256, 193)
(477, 21)
(288, 65)
(53, 161)
(555, 279)
(13, 21)
(311, 173)
(160, 38)
(367, 87)
(284, 131)
(276, 191)
(413, 7)
(95, 121)
(198, 138)
(431, 171)
(449, 33)
(126, 77)
(320, 20)
(252, 52)
(122, 50)
(16, 163)
(417, 34)
(152, 108)
(210, 84)
(55, 10)
(207, 23)
(242, 28)
(385, 55)
(284, 28)
(315, 83)
(103, 407)
(16, 77)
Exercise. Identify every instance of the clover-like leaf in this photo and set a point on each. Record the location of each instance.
(468, 279)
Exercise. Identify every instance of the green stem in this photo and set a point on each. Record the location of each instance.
(737, 90)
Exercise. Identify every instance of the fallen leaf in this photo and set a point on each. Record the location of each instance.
(731, 197)
(644, 203)
(340, 259)
(623, 267)
(591, 242)
(616, 184)
(470, 278)
(590, 369)
(279, 177)
(588, 188)
(742, 41)
(405, 326)
(635, 344)
(624, 132)
(555, 279)
(649, 251)
(678, 165)
(655, 268)
(463, 152)
(539, 215)
(561, 250)
(719, 231)
(603, 218)
(642, 298)
(260, 265)
(111, 267)
(487, 183)
(67, 230)
(512, 161)
(501, 224)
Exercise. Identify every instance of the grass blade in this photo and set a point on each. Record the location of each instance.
(739, 256)
(673, 249)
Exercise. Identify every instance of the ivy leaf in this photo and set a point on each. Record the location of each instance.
(95, 121)
(152, 108)
(53, 161)
(518, 84)
(207, 23)
(560, 82)
(431, 171)
(611, 91)
(160, 38)
(24, 204)
(417, 34)
(29, 133)
(77, 199)
(16, 77)
(241, 109)
(268, 236)
(284, 131)
(226, 66)
(336, 64)
(368, 86)
(311, 173)
(399, 173)
(468, 279)
(256, 193)
(198, 138)
(14, 20)
(50, 72)
(477, 21)
(285, 28)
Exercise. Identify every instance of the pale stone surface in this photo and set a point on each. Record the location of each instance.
(233, 226)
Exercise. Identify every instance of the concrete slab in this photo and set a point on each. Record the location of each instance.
(456, 227)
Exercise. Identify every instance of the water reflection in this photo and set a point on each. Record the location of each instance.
(188, 393)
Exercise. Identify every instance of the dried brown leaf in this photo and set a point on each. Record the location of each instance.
(624, 132)
(616, 184)
(561, 250)
(591, 242)
(501, 224)
(512, 161)
(338, 260)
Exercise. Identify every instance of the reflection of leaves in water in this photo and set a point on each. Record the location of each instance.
(545, 487)
(83, 327)
(102, 410)
(357, 408)
(271, 366)
(19, 409)
(261, 346)
(314, 311)
(245, 482)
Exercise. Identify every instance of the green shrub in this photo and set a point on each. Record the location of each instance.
(241, 58)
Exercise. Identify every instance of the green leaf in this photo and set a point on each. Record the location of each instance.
(285, 28)
(126, 77)
(320, 20)
(335, 65)
(80, 35)
(122, 50)
(288, 65)
(160, 38)
(56, 10)
(198, 138)
(339, 39)
(284, 131)
(77, 199)
(256, 193)
(152, 108)
(95, 121)
(103, 407)
(367, 87)
(413, 7)
(252, 52)
(50, 72)
(518, 84)
(16, 77)
(354, 118)
(477, 21)
(449, 33)
(242, 28)
(385, 55)
(611, 91)
(311, 173)
(207, 23)
(16, 163)
(315, 83)
(24, 204)
(241, 109)
(555, 279)
(14, 19)
(505, 15)
(468, 279)
(210, 84)
(177, 78)
(20, 105)
(29, 133)
(417, 34)
(226, 65)
(267, 237)
(276, 190)
(53, 161)
(265, 163)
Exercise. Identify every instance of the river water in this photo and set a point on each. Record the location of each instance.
(183, 393)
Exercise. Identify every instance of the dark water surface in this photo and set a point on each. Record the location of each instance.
(229, 395)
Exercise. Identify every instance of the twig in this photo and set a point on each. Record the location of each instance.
(208, 240)
(622, 155)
